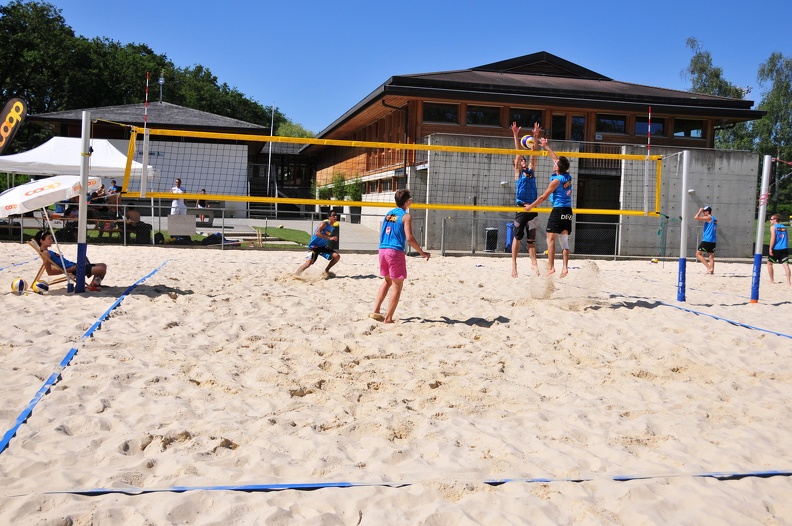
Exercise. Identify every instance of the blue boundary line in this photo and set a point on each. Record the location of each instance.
(732, 322)
(737, 323)
(55, 376)
(17, 265)
(251, 488)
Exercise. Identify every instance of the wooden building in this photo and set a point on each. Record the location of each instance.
(570, 102)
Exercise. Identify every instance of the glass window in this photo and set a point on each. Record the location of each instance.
(558, 131)
(444, 113)
(689, 128)
(611, 123)
(642, 126)
(483, 115)
(578, 128)
(525, 118)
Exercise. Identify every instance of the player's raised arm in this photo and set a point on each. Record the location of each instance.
(517, 158)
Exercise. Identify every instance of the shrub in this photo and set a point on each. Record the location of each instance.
(339, 185)
(355, 189)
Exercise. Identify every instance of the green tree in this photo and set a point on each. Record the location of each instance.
(774, 131)
(338, 184)
(34, 62)
(43, 62)
(708, 79)
(355, 189)
(292, 129)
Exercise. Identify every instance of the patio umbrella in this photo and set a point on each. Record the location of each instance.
(42, 193)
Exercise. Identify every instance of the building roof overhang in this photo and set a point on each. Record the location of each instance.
(157, 115)
(540, 79)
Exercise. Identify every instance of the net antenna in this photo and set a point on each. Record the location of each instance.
(646, 163)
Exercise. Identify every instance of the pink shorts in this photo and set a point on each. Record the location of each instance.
(393, 263)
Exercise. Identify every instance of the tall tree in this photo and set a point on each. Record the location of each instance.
(33, 64)
(42, 61)
(708, 79)
(774, 131)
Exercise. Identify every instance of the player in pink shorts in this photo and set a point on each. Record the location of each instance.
(395, 234)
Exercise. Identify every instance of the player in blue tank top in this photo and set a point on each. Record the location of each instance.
(395, 234)
(559, 224)
(319, 246)
(708, 239)
(779, 248)
(525, 181)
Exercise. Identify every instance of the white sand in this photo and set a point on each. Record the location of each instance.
(222, 369)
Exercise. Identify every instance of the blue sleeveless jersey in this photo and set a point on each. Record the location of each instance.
(392, 234)
(711, 231)
(526, 187)
(562, 195)
(320, 242)
(781, 238)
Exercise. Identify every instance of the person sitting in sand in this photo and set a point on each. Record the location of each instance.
(95, 270)
(320, 246)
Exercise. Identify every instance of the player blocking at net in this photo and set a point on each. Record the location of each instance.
(559, 224)
(525, 181)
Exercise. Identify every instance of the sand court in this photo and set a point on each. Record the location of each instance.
(492, 400)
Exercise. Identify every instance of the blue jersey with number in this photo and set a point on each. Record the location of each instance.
(562, 195)
(781, 238)
(392, 234)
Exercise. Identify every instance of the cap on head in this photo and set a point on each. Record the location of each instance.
(707, 208)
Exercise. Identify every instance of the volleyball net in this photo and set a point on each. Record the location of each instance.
(445, 172)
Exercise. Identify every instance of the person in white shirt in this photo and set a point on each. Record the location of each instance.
(178, 206)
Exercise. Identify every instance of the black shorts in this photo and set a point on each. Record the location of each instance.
(779, 256)
(325, 252)
(708, 247)
(560, 220)
(523, 220)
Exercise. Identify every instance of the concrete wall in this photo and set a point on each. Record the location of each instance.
(725, 180)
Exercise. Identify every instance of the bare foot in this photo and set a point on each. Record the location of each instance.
(535, 268)
(514, 272)
(388, 321)
(550, 271)
(564, 272)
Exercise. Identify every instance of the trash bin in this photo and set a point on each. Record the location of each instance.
(491, 239)
(509, 236)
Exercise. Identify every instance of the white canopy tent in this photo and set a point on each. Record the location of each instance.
(62, 156)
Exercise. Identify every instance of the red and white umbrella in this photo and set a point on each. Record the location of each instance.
(43, 193)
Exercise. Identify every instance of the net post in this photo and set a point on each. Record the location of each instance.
(683, 234)
(757, 263)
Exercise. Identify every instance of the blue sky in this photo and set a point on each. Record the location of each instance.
(315, 60)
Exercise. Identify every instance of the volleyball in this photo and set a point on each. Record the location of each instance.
(40, 287)
(527, 142)
(18, 286)
(335, 224)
